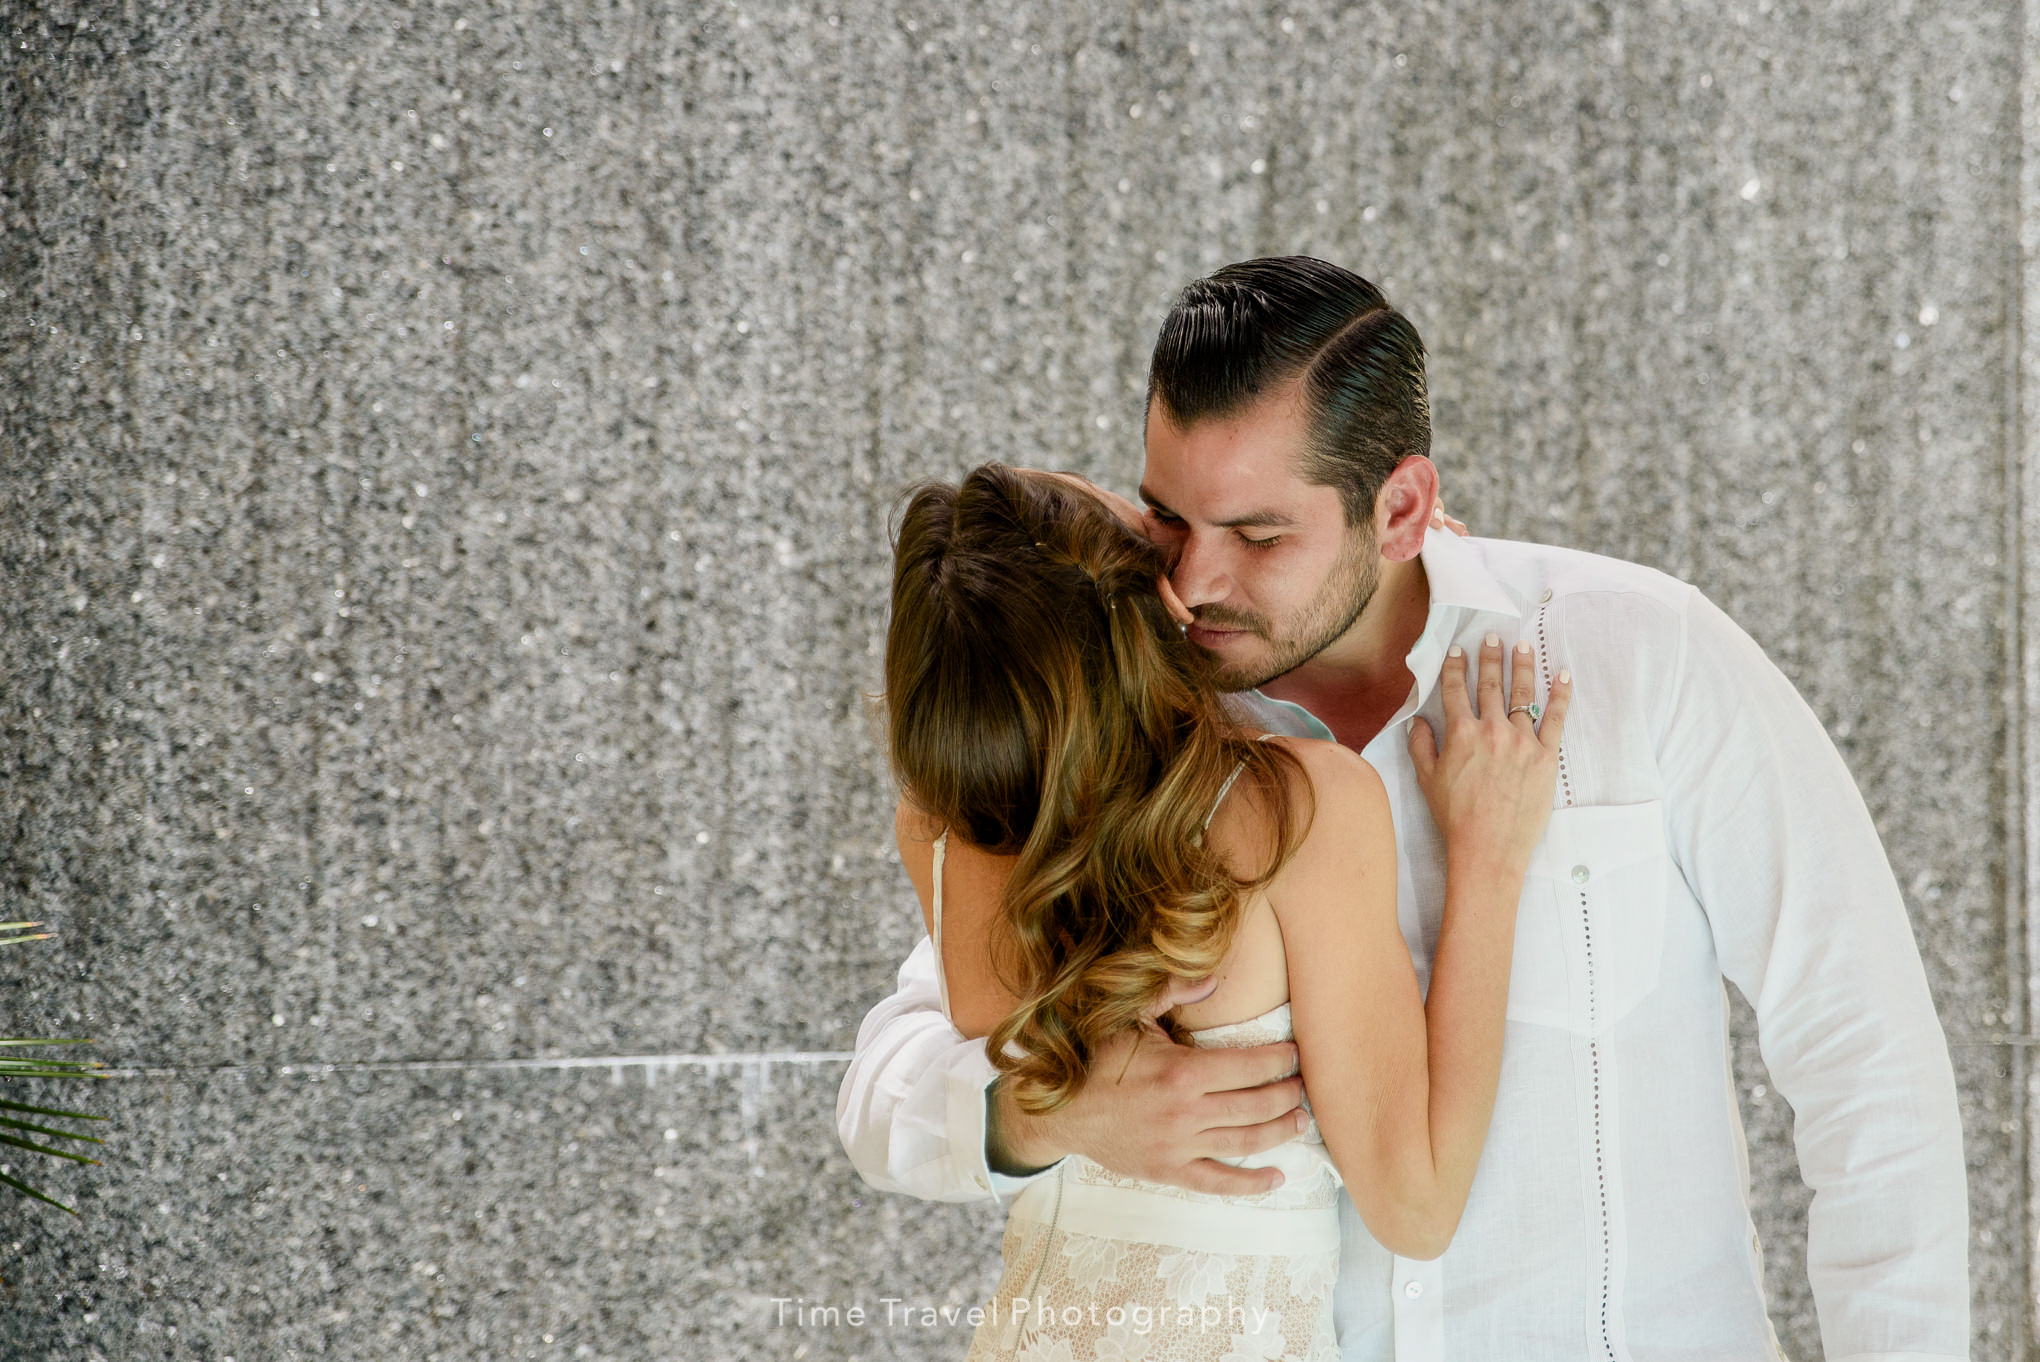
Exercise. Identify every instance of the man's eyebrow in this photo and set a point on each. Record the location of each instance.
(1253, 519)
(1266, 519)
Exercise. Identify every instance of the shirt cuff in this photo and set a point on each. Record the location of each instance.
(970, 1099)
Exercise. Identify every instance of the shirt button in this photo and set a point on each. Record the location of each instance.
(1413, 1289)
(1545, 599)
(1580, 874)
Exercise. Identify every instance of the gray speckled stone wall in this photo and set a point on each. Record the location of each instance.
(445, 453)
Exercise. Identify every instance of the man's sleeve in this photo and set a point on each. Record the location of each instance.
(911, 1111)
(1808, 922)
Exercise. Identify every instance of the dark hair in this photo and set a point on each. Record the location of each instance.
(1043, 705)
(1235, 336)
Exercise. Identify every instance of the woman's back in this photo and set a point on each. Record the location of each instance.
(1249, 983)
(1190, 1274)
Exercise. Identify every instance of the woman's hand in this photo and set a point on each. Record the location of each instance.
(1489, 784)
(1441, 521)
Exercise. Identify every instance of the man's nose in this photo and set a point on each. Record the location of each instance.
(1198, 575)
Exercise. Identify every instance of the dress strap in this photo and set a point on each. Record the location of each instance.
(1226, 789)
(1223, 791)
(941, 979)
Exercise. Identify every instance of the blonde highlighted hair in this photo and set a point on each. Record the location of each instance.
(1042, 704)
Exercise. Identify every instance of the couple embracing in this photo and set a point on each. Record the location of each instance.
(1308, 975)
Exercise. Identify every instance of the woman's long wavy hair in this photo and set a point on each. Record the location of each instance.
(1043, 704)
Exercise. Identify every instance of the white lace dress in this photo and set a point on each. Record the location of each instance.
(1103, 1268)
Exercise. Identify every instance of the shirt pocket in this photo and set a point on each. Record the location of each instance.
(1591, 923)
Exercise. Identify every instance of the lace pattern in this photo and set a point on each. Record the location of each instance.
(1069, 1296)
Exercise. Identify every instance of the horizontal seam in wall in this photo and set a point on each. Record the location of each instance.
(1986, 1042)
(717, 1061)
(711, 1061)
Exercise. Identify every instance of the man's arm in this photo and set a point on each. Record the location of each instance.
(912, 1109)
(1808, 922)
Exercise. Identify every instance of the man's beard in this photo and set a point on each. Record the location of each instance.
(1320, 623)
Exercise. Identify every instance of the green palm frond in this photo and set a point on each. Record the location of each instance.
(66, 1040)
(12, 1124)
(48, 1111)
(51, 1068)
(18, 1185)
(37, 1066)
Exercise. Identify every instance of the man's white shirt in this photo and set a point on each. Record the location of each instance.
(1704, 828)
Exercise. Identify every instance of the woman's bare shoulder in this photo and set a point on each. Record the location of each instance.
(1328, 774)
(1324, 777)
(973, 884)
(1328, 764)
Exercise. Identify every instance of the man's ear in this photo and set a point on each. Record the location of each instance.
(1402, 509)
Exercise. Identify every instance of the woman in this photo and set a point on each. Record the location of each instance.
(1091, 834)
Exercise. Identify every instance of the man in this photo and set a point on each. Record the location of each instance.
(1705, 829)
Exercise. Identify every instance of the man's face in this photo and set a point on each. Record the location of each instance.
(1263, 559)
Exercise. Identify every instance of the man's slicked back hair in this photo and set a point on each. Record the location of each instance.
(1238, 335)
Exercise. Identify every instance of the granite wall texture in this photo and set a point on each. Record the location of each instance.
(445, 452)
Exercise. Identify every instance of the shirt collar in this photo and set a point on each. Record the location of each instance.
(1459, 577)
(1465, 598)
(1466, 601)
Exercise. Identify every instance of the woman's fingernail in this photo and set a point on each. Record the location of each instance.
(1522, 645)
(1455, 651)
(1493, 640)
(1302, 1120)
(1564, 677)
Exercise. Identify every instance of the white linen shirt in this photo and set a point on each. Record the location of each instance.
(1703, 828)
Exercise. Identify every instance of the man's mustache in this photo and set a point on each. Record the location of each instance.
(1218, 617)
